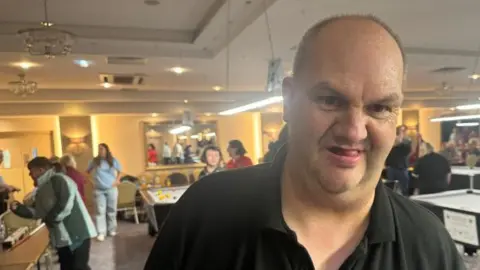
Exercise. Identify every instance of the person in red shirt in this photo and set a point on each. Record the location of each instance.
(69, 165)
(152, 155)
(237, 153)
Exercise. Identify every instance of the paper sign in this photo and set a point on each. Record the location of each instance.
(462, 227)
(275, 75)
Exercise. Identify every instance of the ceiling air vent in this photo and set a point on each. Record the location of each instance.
(123, 79)
(126, 60)
(448, 69)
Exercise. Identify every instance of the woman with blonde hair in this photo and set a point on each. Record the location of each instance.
(69, 167)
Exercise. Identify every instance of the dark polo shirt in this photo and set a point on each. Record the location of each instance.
(233, 221)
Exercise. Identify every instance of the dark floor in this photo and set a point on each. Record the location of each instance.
(129, 249)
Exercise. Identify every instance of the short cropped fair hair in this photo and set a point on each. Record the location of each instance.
(304, 50)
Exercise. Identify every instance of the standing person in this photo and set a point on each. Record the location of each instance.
(59, 205)
(167, 154)
(397, 160)
(152, 156)
(320, 205)
(275, 146)
(106, 173)
(178, 153)
(212, 157)
(237, 152)
(69, 165)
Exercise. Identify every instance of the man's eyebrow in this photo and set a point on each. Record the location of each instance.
(390, 98)
(326, 88)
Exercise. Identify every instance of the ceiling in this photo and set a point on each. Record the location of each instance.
(193, 34)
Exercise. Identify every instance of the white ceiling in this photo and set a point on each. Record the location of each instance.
(193, 34)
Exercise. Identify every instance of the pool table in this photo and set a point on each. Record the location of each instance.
(157, 202)
(465, 178)
(459, 210)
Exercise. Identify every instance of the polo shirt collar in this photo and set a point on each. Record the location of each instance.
(381, 228)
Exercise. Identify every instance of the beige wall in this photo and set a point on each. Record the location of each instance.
(20, 136)
(245, 127)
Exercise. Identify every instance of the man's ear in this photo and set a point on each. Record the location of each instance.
(287, 93)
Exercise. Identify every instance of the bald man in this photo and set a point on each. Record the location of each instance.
(320, 204)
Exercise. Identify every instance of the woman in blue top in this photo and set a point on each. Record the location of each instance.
(106, 172)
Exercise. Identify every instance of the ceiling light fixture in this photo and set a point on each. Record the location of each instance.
(45, 40)
(474, 76)
(254, 105)
(154, 114)
(24, 65)
(107, 85)
(185, 101)
(178, 70)
(217, 88)
(83, 63)
(455, 118)
(23, 87)
(467, 124)
(468, 107)
(179, 130)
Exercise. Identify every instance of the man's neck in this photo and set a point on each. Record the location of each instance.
(316, 205)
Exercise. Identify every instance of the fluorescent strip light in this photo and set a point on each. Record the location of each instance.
(179, 130)
(211, 134)
(254, 105)
(468, 107)
(468, 124)
(194, 137)
(455, 118)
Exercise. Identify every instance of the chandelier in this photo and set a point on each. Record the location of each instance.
(23, 87)
(46, 40)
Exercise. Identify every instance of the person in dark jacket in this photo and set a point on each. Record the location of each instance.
(273, 147)
(397, 160)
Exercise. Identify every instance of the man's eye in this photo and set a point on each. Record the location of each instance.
(380, 111)
(329, 102)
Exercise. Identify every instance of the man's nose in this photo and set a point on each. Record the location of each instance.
(352, 125)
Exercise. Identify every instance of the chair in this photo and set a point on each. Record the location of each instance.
(126, 198)
(178, 179)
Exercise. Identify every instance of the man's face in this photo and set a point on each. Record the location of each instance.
(35, 173)
(342, 107)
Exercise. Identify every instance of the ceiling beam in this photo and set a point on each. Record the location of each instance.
(109, 33)
(65, 109)
(98, 96)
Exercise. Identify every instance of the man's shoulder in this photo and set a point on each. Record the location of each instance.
(417, 226)
(239, 188)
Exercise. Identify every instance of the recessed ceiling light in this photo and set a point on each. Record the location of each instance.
(83, 63)
(474, 76)
(217, 88)
(154, 114)
(46, 24)
(178, 70)
(107, 85)
(185, 101)
(25, 65)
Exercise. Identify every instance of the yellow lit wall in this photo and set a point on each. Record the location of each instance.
(245, 127)
(124, 136)
(20, 135)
